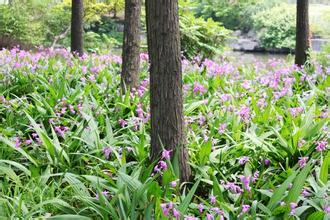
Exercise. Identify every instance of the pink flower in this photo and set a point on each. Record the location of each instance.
(17, 142)
(293, 207)
(321, 145)
(244, 112)
(165, 210)
(302, 161)
(243, 160)
(212, 199)
(246, 182)
(176, 213)
(27, 141)
(267, 162)
(199, 88)
(201, 207)
(162, 165)
(122, 122)
(222, 128)
(166, 154)
(174, 183)
(107, 151)
(209, 216)
(296, 111)
(225, 97)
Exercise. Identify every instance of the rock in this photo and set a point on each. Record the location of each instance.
(317, 44)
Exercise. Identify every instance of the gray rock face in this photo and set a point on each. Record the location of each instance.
(317, 44)
(249, 43)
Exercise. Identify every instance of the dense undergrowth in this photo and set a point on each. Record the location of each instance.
(72, 146)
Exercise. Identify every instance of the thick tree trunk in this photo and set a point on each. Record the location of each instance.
(131, 45)
(302, 32)
(166, 104)
(77, 27)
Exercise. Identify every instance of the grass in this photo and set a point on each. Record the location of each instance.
(73, 147)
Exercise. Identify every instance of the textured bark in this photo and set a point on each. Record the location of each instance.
(166, 104)
(302, 32)
(131, 45)
(77, 27)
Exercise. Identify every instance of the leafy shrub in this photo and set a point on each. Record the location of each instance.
(14, 22)
(199, 37)
(276, 27)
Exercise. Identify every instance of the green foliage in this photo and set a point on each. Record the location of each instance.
(199, 37)
(276, 26)
(68, 174)
(14, 22)
(233, 14)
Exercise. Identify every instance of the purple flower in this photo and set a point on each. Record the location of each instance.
(17, 142)
(244, 113)
(107, 151)
(165, 210)
(162, 165)
(293, 207)
(321, 145)
(233, 187)
(60, 130)
(122, 122)
(105, 193)
(222, 128)
(166, 154)
(243, 160)
(209, 216)
(199, 88)
(225, 97)
(296, 111)
(267, 162)
(28, 142)
(255, 176)
(212, 199)
(174, 183)
(200, 207)
(301, 142)
(327, 209)
(305, 193)
(246, 182)
(176, 213)
(302, 161)
(245, 209)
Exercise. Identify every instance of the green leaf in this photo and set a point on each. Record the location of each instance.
(279, 192)
(20, 150)
(324, 171)
(318, 215)
(298, 184)
(204, 152)
(69, 217)
(187, 200)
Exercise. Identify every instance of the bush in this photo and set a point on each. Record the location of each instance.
(14, 23)
(276, 27)
(199, 37)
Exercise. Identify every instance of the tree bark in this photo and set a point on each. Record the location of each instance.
(302, 33)
(166, 104)
(131, 45)
(77, 27)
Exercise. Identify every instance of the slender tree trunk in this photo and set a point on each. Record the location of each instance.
(302, 32)
(77, 27)
(131, 45)
(166, 104)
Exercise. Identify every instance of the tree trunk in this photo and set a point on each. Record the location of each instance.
(166, 104)
(77, 27)
(302, 33)
(131, 45)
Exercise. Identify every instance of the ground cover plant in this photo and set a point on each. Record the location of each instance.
(73, 147)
